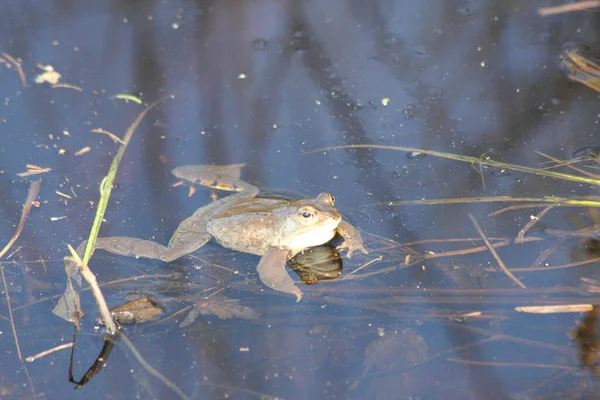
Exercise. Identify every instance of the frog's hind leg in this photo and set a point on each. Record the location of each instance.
(205, 174)
(133, 247)
(220, 177)
(190, 236)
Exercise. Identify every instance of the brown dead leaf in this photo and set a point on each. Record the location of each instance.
(395, 349)
(221, 306)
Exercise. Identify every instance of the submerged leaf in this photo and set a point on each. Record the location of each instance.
(221, 306)
(395, 349)
(138, 311)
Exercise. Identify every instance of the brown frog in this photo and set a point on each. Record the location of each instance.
(272, 228)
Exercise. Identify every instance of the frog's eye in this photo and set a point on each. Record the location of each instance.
(332, 199)
(306, 214)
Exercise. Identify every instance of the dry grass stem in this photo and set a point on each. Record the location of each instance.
(562, 266)
(15, 251)
(582, 5)
(554, 309)
(84, 150)
(34, 189)
(532, 222)
(515, 364)
(34, 171)
(168, 383)
(452, 240)
(462, 252)
(67, 86)
(114, 137)
(64, 195)
(545, 254)
(17, 66)
(495, 254)
(103, 285)
(49, 351)
(562, 201)
(568, 164)
(467, 159)
(361, 267)
(516, 207)
(90, 278)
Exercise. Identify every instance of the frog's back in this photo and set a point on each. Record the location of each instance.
(249, 225)
(249, 233)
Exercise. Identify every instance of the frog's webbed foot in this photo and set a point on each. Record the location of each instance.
(131, 247)
(352, 239)
(272, 272)
(124, 246)
(127, 246)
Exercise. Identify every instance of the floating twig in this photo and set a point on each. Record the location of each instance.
(49, 351)
(17, 65)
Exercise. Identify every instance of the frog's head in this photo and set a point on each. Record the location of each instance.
(310, 222)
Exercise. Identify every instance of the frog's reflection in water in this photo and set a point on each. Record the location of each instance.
(317, 263)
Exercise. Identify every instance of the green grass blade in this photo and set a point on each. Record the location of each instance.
(107, 183)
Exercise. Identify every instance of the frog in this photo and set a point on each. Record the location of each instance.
(274, 229)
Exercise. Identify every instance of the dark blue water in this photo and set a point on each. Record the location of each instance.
(263, 82)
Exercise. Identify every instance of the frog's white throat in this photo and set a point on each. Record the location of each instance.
(308, 237)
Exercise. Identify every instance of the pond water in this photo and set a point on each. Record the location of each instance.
(271, 84)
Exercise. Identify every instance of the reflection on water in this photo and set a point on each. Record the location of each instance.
(317, 263)
(427, 313)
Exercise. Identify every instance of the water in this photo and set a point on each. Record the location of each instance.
(264, 83)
